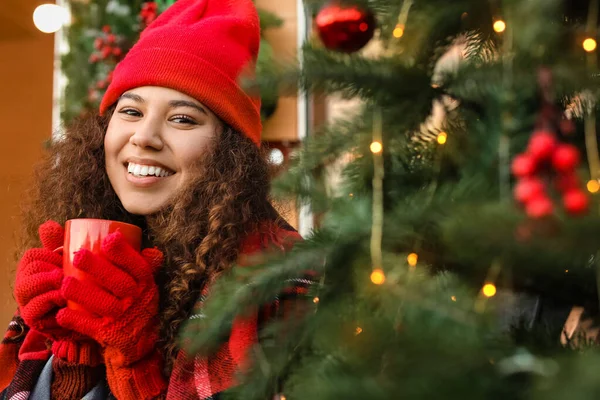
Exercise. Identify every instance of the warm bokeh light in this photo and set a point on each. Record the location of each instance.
(499, 26)
(412, 259)
(453, 298)
(376, 147)
(276, 157)
(489, 290)
(442, 138)
(589, 45)
(358, 330)
(398, 31)
(593, 186)
(316, 300)
(377, 276)
(49, 18)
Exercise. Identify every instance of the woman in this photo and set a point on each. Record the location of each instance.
(175, 150)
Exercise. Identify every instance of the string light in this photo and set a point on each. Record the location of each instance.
(589, 45)
(376, 147)
(412, 259)
(398, 31)
(593, 186)
(453, 298)
(489, 290)
(499, 26)
(316, 300)
(377, 276)
(358, 330)
(442, 137)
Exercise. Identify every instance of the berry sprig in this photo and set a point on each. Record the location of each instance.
(107, 47)
(148, 13)
(547, 160)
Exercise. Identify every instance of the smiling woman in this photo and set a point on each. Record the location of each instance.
(175, 150)
(153, 142)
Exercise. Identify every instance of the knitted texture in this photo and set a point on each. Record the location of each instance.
(37, 290)
(201, 48)
(142, 380)
(38, 281)
(72, 380)
(193, 377)
(83, 352)
(120, 302)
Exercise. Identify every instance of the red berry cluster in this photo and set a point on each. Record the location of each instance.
(548, 160)
(106, 47)
(149, 13)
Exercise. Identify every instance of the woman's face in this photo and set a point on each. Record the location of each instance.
(153, 140)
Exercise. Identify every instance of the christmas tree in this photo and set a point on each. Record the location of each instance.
(456, 255)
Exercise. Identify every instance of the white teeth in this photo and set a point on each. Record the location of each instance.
(145, 170)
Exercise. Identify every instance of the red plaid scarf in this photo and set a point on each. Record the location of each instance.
(24, 352)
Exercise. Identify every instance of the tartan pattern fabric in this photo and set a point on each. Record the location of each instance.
(17, 378)
(196, 378)
(206, 378)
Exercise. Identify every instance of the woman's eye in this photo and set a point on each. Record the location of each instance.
(182, 119)
(131, 112)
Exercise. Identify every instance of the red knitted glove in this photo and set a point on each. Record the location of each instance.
(121, 301)
(37, 290)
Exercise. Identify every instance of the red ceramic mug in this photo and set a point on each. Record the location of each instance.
(88, 234)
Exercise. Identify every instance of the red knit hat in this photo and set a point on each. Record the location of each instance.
(200, 48)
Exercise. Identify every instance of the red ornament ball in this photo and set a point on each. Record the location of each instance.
(540, 206)
(576, 202)
(345, 28)
(542, 145)
(523, 165)
(527, 189)
(106, 29)
(565, 158)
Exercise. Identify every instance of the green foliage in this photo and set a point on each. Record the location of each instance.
(428, 332)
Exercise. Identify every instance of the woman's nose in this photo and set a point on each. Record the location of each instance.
(147, 136)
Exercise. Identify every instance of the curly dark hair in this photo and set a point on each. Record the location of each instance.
(199, 231)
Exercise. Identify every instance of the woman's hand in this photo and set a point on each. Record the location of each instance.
(120, 301)
(38, 281)
(37, 290)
